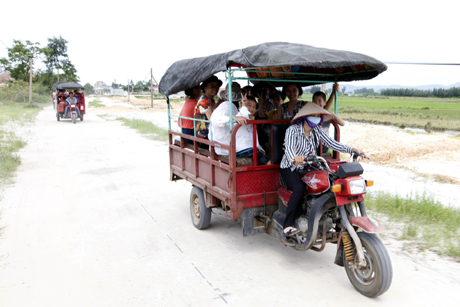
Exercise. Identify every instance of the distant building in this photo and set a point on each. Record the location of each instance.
(117, 92)
(155, 89)
(100, 88)
(178, 95)
(5, 77)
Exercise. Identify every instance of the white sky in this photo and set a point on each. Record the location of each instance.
(121, 40)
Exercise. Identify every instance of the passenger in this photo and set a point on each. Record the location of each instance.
(70, 100)
(244, 92)
(251, 104)
(319, 98)
(293, 91)
(301, 140)
(262, 91)
(277, 101)
(288, 110)
(244, 136)
(206, 105)
(188, 110)
(76, 95)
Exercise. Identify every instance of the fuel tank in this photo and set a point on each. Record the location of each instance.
(317, 182)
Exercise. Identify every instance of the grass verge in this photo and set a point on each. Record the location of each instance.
(9, 160)
(426, 222)
(18, 112)
(10, 143)
(96, 104)
(147, 129)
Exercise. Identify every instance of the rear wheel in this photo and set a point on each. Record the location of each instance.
(201, 215)
(58, 117)
(81, 117)
(375, 278)
(74, 118)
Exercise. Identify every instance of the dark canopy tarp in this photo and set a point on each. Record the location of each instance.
(66, 85)
(336, 65)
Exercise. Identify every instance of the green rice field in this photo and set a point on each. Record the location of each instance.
(436, 114)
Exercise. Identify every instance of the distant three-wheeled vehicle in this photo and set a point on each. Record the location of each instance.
(76, 109)
(333, 210)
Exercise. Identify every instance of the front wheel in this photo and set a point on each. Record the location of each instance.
(74, 118)
(375, 278)
(201, 215)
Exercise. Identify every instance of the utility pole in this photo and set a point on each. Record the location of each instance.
(30, 80)
(151, 88)
(128, 91)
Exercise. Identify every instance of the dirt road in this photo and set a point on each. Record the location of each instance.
(93, 220)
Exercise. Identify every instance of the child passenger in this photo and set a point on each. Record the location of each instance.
(319, 98)
(244, 135)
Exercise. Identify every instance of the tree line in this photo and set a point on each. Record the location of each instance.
(406, 92)
(57, 65)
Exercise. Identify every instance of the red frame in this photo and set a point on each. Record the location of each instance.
(238, 187)
(60, 106)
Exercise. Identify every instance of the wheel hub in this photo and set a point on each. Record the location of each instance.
(196, 208)
(364, 274)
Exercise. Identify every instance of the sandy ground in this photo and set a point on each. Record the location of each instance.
(93, 221)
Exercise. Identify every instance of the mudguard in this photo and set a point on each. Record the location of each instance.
(367, 224)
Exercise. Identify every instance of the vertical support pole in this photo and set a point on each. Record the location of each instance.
(335, 102)
(128, 91)
(151, 88)
(230, 95)
(169, 113)
(30, 80)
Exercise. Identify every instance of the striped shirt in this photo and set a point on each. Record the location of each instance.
(298, 144)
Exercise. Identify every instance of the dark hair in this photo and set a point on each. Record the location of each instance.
(189, 91)
(319, 93)
(283, 92)
(250, 97)
(246, 90)
(209, 80)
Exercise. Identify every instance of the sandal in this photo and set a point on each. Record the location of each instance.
(290, 231)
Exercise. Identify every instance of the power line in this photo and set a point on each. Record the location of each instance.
(4, 44)
(414, 63)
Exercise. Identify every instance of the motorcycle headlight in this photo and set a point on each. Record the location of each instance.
(358, 186)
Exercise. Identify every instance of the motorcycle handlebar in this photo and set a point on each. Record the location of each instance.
(311, 158)
(356, 156)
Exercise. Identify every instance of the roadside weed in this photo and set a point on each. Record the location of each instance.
(9, 160)
(426, 221)
(96, 104)
(146, 128)
(10, 143)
